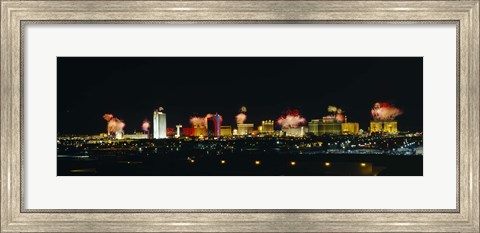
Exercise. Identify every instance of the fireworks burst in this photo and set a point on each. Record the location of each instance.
(385, 112)
(114, 124)
(340, 117)
(243, 109)
(200, 122)
(241, 117)
(291, 120)
(107, 117)
(332, 109)
(337, 113)
(146, 125)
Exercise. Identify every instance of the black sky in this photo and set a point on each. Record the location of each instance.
(131, 88)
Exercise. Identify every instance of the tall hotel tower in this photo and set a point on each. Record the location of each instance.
(159, 124)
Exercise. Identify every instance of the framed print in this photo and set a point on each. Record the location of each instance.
(239, 116)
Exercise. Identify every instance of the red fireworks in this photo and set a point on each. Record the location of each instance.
(292, 119)
(384, 111)
(146, 125)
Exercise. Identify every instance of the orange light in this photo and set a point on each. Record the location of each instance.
(257, 162)
(223, 161)
(327, 164)
(293, 163)
(363, 164)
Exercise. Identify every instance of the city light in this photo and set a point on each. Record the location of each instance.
(205, 123)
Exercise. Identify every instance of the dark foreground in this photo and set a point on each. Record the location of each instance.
(241, 165)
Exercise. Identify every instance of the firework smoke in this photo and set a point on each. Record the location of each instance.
(146, 125)
(340, 117)
(291, 120)
(385, 111)
(332, 109)
(200, 122)
(114, 124)
(337, 113)
(243, 109)
(241, 117)
(107, 117)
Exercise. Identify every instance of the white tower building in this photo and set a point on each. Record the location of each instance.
(159, 124)
(178, 130)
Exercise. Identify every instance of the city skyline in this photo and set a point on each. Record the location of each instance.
(268, 92)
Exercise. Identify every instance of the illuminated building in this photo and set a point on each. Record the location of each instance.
(170, 132)
(329, 128)
(244, 129)
(136, 136)
(225, 130)
(390, 127)
(188, 132)
(119, 134)
(329, 125)
(376, 126)
(350, 128)
(295, 132)
(313, 126)
(267, 127)
(383, 127)
(214, 124)
(178, 130)
(200, 131)
(159, 124)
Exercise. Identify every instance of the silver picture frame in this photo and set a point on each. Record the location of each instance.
(15, 15)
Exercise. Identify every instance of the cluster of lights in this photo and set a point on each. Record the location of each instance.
(292, 163)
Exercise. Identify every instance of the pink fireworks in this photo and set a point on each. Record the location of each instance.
(114, 124)
(384, 111)
(291, 120)
(241, 117)
(200, 122)
(145, 125)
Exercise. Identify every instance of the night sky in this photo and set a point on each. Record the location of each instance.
(131, 88)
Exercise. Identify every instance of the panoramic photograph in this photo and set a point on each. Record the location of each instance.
(239, 116)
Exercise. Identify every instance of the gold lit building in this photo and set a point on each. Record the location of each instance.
(244, 129)
(350, 128)
(327, 125)
(390, 127)
(383, 127)
(295, 132)
(313, 126)
(376, 126)
(200, 131)
(329, 128)
(225, 130)
(267, 127)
